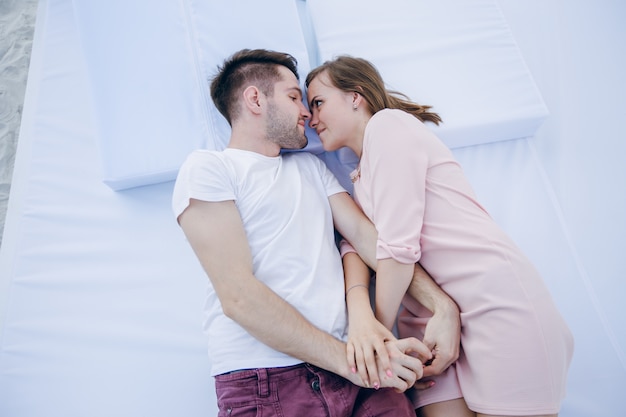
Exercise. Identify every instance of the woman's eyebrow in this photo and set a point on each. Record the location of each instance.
(313, 99)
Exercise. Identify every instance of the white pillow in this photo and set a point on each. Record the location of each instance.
(457, 55)
(149, 64)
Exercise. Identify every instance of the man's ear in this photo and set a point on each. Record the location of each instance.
(252, 98)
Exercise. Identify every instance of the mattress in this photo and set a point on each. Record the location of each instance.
(101, 296)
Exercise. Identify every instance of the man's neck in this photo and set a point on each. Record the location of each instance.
(252, 142)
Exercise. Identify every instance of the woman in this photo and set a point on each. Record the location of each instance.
(516, 348)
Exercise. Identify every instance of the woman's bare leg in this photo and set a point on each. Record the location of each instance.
(492, 415)
(451, 408)
(458, 408)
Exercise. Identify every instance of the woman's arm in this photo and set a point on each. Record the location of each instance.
(443, 331)
(366, 335)
(399, 147)
(392, 282)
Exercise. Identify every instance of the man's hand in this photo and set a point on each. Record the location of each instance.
(443, 331)
(442, 336)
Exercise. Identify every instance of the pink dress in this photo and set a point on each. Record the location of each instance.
(516, 347)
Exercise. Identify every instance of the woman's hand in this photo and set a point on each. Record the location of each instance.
(366, 350)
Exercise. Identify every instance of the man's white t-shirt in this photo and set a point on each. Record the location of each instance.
(283, 202)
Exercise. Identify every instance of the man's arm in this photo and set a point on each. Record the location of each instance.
(216, 234)
(443, 331)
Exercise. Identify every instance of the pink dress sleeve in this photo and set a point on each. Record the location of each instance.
(345, 247)
(397, 167)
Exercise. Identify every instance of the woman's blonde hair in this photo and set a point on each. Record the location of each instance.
(358, 75)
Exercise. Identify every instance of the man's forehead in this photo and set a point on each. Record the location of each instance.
(289, 81)
(287, 75)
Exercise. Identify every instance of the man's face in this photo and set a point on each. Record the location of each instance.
(287, 114)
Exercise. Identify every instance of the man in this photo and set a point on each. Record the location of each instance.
(261, 224)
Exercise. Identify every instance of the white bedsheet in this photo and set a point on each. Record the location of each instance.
(100, 295)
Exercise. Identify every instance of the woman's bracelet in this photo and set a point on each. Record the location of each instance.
(354, 286)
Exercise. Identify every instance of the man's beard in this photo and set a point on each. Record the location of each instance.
(282, 131)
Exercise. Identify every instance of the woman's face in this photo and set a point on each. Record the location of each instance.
(332, 113)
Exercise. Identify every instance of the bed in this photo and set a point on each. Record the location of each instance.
(101, 296)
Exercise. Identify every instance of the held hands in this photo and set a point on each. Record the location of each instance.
(380, 360)
(406, 357)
